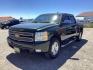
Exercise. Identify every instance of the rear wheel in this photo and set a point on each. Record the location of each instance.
(79, 37)
(54, 48)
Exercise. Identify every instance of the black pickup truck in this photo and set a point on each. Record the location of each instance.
(47, 33)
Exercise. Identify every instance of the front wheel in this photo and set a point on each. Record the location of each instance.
(54, 48)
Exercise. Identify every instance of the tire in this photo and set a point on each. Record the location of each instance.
(54, 48)
(79, 37)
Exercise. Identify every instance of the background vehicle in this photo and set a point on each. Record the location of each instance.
(8, 23)
(47, 34)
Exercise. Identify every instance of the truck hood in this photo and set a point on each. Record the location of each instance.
(36, 26)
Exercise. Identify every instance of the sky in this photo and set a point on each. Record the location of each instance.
(33, 8)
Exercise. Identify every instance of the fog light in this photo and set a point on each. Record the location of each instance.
(17, 50)
(38, 50)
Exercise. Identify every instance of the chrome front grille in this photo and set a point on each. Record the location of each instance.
(21, 36)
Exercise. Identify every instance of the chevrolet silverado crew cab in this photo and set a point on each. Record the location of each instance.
(47, 33)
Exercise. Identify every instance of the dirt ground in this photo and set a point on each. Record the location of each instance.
(76, 56)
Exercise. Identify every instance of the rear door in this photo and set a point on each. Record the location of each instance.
(73, 25)
(68, 27)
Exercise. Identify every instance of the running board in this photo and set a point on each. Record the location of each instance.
(67, 43)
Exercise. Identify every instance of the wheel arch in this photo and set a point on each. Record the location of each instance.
(56, 35)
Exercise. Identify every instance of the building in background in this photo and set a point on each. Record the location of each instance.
(5, 18)
(85, 17)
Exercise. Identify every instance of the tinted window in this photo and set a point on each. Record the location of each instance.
(72, 19)
(65, 19)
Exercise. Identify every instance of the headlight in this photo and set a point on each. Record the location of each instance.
(41, 36)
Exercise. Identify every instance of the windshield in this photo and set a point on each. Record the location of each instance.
(46, 18)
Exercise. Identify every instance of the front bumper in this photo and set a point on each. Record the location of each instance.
(28, 46)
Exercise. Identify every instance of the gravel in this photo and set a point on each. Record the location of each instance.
(75, 56)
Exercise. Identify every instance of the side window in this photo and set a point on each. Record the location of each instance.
(65, 19)
(72, 19)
